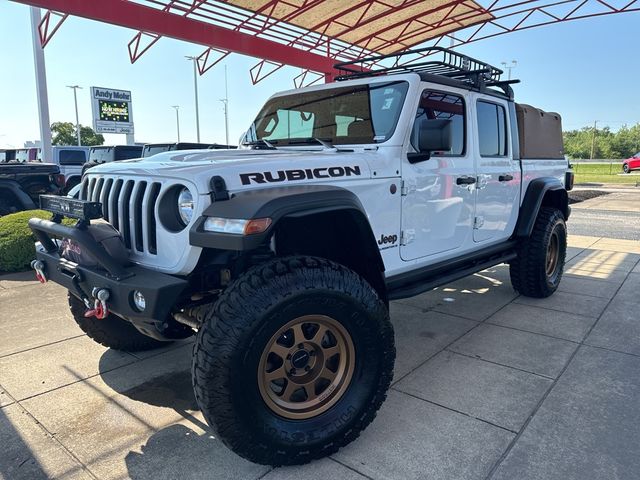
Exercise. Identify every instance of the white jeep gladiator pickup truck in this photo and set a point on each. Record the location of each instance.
(282, 256)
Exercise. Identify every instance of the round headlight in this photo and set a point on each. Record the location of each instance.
(185, 205)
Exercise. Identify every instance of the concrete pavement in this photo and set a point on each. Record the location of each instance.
(620, 201)
(487, 384)
(611, 213)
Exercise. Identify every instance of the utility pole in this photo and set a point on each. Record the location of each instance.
(225, 102)
(177, 107)
(75, 99)
(195, 89)
(514, 64)
(41, 86)
(593, 139)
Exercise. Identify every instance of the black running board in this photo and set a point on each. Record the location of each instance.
(419, 281)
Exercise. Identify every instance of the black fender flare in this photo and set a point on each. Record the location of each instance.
(533, 198)
(14, 188)
(276, 203)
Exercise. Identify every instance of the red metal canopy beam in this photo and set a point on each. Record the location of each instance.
(132, 15)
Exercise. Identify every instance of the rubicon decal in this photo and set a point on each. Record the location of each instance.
(299, 174)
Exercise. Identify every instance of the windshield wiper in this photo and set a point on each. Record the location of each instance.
(310, 140)
(325, 144)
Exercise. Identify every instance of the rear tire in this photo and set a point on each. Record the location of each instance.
(537, 270)
(112, 331)
(259, 360)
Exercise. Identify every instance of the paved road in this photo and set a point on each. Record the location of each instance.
(605, 223)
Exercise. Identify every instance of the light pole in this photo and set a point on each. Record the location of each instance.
(225, 102)
(177, 107)
(75, 100)
(195, 89)
(513, 65)
(593, 139)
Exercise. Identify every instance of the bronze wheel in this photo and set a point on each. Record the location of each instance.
(553, 252)
(293, 361)
(537, 270)
(306, 367)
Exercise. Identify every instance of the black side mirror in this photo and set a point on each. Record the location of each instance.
(433, 136)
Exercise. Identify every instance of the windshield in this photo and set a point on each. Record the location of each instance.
(347, 115)
(150, 150)
(100, 154)
(22, 155)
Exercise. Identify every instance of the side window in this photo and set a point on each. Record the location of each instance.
(492, 129)
(443, 106)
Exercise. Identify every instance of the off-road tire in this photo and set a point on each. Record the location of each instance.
(528, 271)
(7, 206)
(112, 331)
(232, 339)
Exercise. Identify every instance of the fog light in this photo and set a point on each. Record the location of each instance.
(139, 301)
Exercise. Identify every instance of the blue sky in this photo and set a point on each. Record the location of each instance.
(587, 70)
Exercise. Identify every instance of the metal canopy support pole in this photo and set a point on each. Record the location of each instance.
(41, 87)
(195, 89)
(226, 108)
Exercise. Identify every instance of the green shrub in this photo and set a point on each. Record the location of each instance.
(16, 240)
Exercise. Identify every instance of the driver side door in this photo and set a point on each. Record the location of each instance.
(439, 193)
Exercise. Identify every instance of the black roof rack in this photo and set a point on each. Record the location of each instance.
(446, 63)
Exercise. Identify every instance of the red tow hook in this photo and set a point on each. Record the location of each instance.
(100, 309)
(38, 266)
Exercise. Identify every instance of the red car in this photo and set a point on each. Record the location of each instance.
(632, 163)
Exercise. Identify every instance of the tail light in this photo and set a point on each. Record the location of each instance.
(568, 180)
(58, 180)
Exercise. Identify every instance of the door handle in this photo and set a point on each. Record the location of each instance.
(466, 180)
(505, 178)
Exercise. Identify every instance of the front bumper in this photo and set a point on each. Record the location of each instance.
(160, 290)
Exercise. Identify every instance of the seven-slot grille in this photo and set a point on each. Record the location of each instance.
(129, 205)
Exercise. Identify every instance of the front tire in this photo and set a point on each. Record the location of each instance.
(112, 331)
(8, 206)
(625, 168)
(538, 268)
(293, 361)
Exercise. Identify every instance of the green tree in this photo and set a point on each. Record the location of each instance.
(64, 133)
(614, 145)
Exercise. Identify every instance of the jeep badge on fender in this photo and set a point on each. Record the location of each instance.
(384, 239)
(274, 255)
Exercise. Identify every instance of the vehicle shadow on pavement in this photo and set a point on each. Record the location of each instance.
(188, 439)
(172, 390)
(17, 460)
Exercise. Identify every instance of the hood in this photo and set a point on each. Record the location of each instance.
(244, 168)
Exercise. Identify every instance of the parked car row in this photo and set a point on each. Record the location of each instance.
(24, 177)
(21, 184)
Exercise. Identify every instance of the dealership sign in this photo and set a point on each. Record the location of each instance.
(111, 110)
